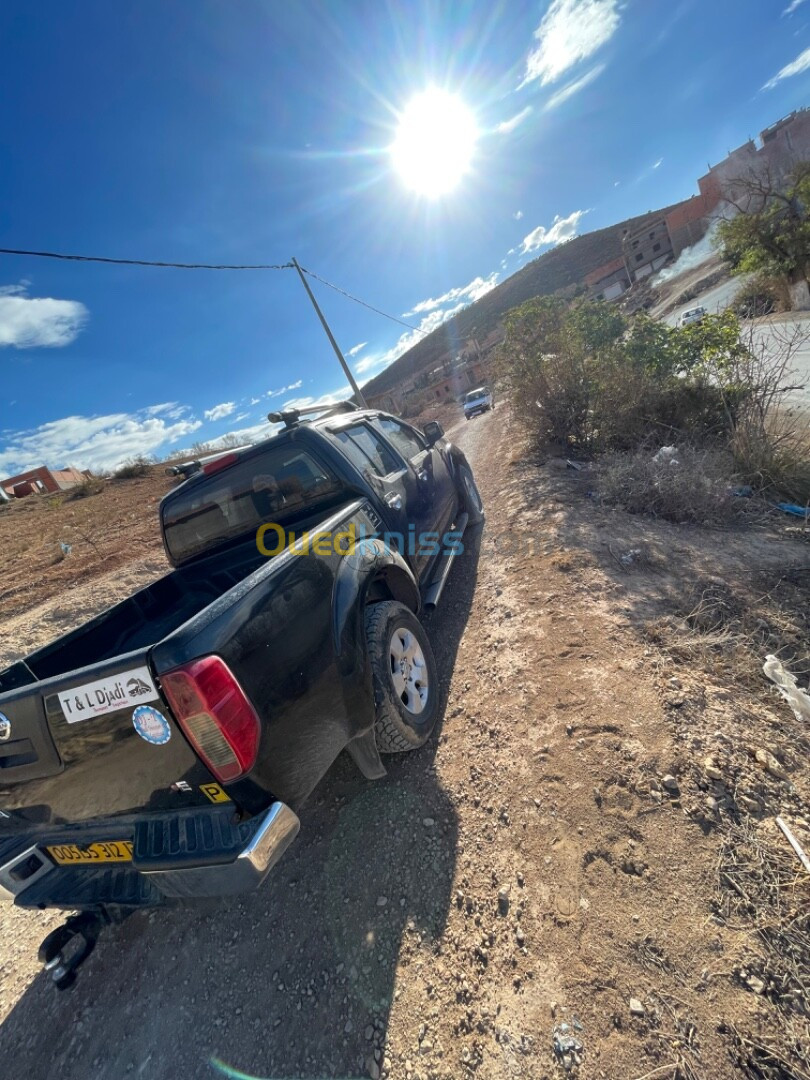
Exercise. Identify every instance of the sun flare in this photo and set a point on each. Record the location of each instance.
(435, 141)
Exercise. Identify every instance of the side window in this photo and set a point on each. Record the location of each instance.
(364, 449)
(404, 438)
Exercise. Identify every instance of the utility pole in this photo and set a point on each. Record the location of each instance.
(358, 393)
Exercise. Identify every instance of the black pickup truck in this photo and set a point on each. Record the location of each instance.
(161, 751)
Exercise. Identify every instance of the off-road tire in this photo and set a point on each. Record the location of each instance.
(396, 728)
(469, 495)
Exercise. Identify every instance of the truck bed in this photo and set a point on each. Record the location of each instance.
(74, 755)
(139, 621)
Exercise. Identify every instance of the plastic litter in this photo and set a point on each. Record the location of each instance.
(65, 548)
(794, 843)
(787, 684)
(666, 455)
(744, 492)
(568, 1049)
(795, 509)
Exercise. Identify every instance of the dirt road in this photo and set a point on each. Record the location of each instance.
(526, 865)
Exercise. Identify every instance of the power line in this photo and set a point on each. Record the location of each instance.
(66, 257)
(363, 303)
(146, 262)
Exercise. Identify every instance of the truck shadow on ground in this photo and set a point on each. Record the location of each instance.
(296, 980)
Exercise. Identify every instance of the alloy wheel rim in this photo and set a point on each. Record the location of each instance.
(409, 672)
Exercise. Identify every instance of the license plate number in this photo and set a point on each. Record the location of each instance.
(108, 851)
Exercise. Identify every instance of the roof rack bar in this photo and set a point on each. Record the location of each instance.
(291, 417)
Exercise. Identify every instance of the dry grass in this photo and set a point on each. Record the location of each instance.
(761, 887)
(694, 486)
(731, 627)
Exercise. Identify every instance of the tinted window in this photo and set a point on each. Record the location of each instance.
(367, 451)
(404, 438)
(282, 484)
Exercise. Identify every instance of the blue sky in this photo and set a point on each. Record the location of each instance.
(251, 131)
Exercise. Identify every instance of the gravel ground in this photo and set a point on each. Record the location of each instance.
(534, 863)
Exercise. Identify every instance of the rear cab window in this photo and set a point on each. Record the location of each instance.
(284, 484)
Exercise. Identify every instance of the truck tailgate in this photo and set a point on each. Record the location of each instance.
(94, 744)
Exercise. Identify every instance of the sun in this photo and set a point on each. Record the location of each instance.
(435, 141)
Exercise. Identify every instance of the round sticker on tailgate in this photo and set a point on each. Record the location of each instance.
(151, 725)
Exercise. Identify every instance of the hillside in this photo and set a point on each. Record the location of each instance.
(565, 265)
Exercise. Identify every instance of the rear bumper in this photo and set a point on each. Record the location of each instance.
(195, 870)
(277, 830)
(478, 409)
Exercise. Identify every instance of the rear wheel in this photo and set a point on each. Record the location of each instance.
(470, 496)
(406, 685)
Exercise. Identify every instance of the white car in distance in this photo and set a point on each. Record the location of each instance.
(477, 401)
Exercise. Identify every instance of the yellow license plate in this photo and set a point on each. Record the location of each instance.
(109, 851)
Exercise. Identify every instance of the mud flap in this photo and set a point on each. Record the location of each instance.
(366, 756)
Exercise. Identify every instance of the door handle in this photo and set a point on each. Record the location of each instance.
(421, 474)
(394, 500)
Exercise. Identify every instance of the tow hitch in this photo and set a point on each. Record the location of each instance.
(65, 949)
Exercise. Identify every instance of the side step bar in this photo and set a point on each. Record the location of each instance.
(434, 590)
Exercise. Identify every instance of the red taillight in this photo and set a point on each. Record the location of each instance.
(223, 462)
(219, 721)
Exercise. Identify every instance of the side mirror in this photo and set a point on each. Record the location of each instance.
(433, 432)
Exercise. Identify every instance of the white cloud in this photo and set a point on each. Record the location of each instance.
(285, 389)
(658, 163)
(341, 394)
(355, 349)
(91, 442)
(518, 214)
(792, 6)
(367, 364)
(28, 322)
(574, 87)
(241, 416)
(254, 401)
(561, 229)
(795, 67)
(219, 412)
(471, 292)
(507, 126)
(570, 31)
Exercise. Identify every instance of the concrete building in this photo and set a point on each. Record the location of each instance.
(42, 481)
(781, 147)
(609, 281)
(772, 158)
(646, 249)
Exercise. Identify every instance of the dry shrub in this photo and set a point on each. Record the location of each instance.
(773, 454)
(587, 379)
(133, 467)
(698, 489)
(761, 295)
(91, 485)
